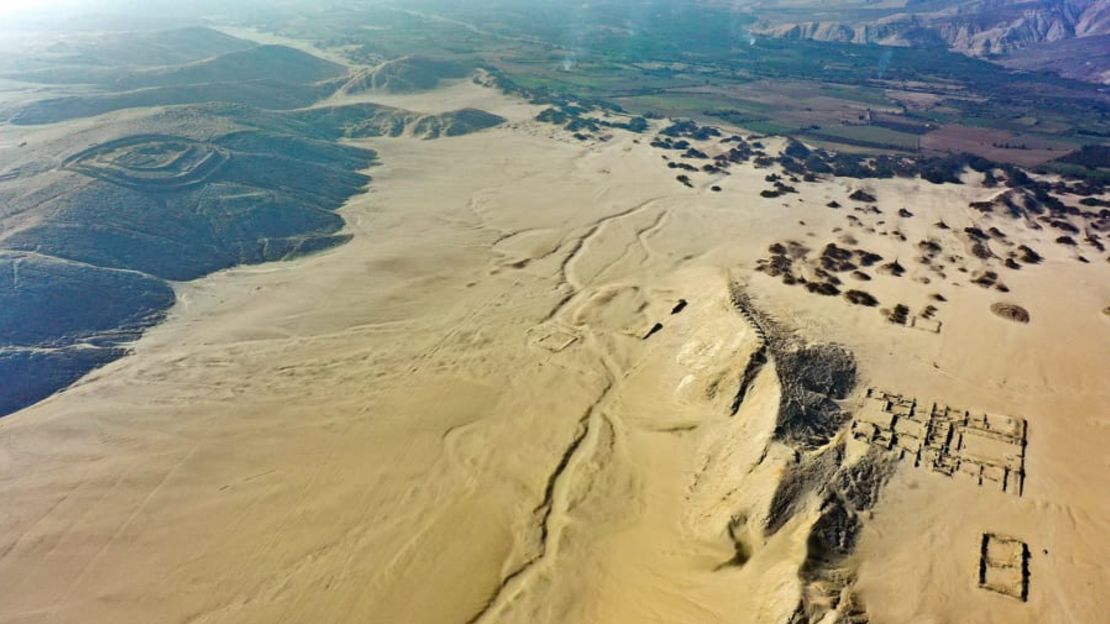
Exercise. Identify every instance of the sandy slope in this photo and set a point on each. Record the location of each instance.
(454, 418)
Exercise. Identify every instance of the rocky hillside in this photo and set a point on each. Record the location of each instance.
(984, 28)
(405, 75)
(358, 121)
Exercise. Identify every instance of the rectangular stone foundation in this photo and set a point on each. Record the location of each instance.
(1004, 566)
(986, 448)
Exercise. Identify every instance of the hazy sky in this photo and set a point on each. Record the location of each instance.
(27, 4)
(34, 6)
(16, 14)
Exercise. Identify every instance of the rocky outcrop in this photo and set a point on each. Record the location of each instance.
(821, 489)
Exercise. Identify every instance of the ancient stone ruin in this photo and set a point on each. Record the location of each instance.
(1004, 566)
(150, 162)
(988, 448)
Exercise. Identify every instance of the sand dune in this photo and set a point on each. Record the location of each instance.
(545, 383)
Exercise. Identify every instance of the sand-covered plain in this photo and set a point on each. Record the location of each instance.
(456, 417)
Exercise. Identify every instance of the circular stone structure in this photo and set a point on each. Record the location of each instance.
(1011, 312)
(150, 162)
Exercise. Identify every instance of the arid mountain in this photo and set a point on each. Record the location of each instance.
(373, 120)
(403, 75)
(1086, 58)
(262, 62)
(982, 28)
(146, 49)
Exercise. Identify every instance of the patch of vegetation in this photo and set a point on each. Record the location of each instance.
(866, 136)
(1089, 157)
(862, 298)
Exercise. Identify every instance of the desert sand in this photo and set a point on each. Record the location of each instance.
(524, 392)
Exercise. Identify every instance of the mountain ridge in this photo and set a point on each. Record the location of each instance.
(979, 28)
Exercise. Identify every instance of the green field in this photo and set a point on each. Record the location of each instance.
(869, 136)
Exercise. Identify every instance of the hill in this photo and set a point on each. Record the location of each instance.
(266, 93)
(269, 62)
(256, 63)
(142, 49)
(403, 75)
(271, 77)
(40, 353)
(117, 221)
(373, 120)
(1086, 58)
